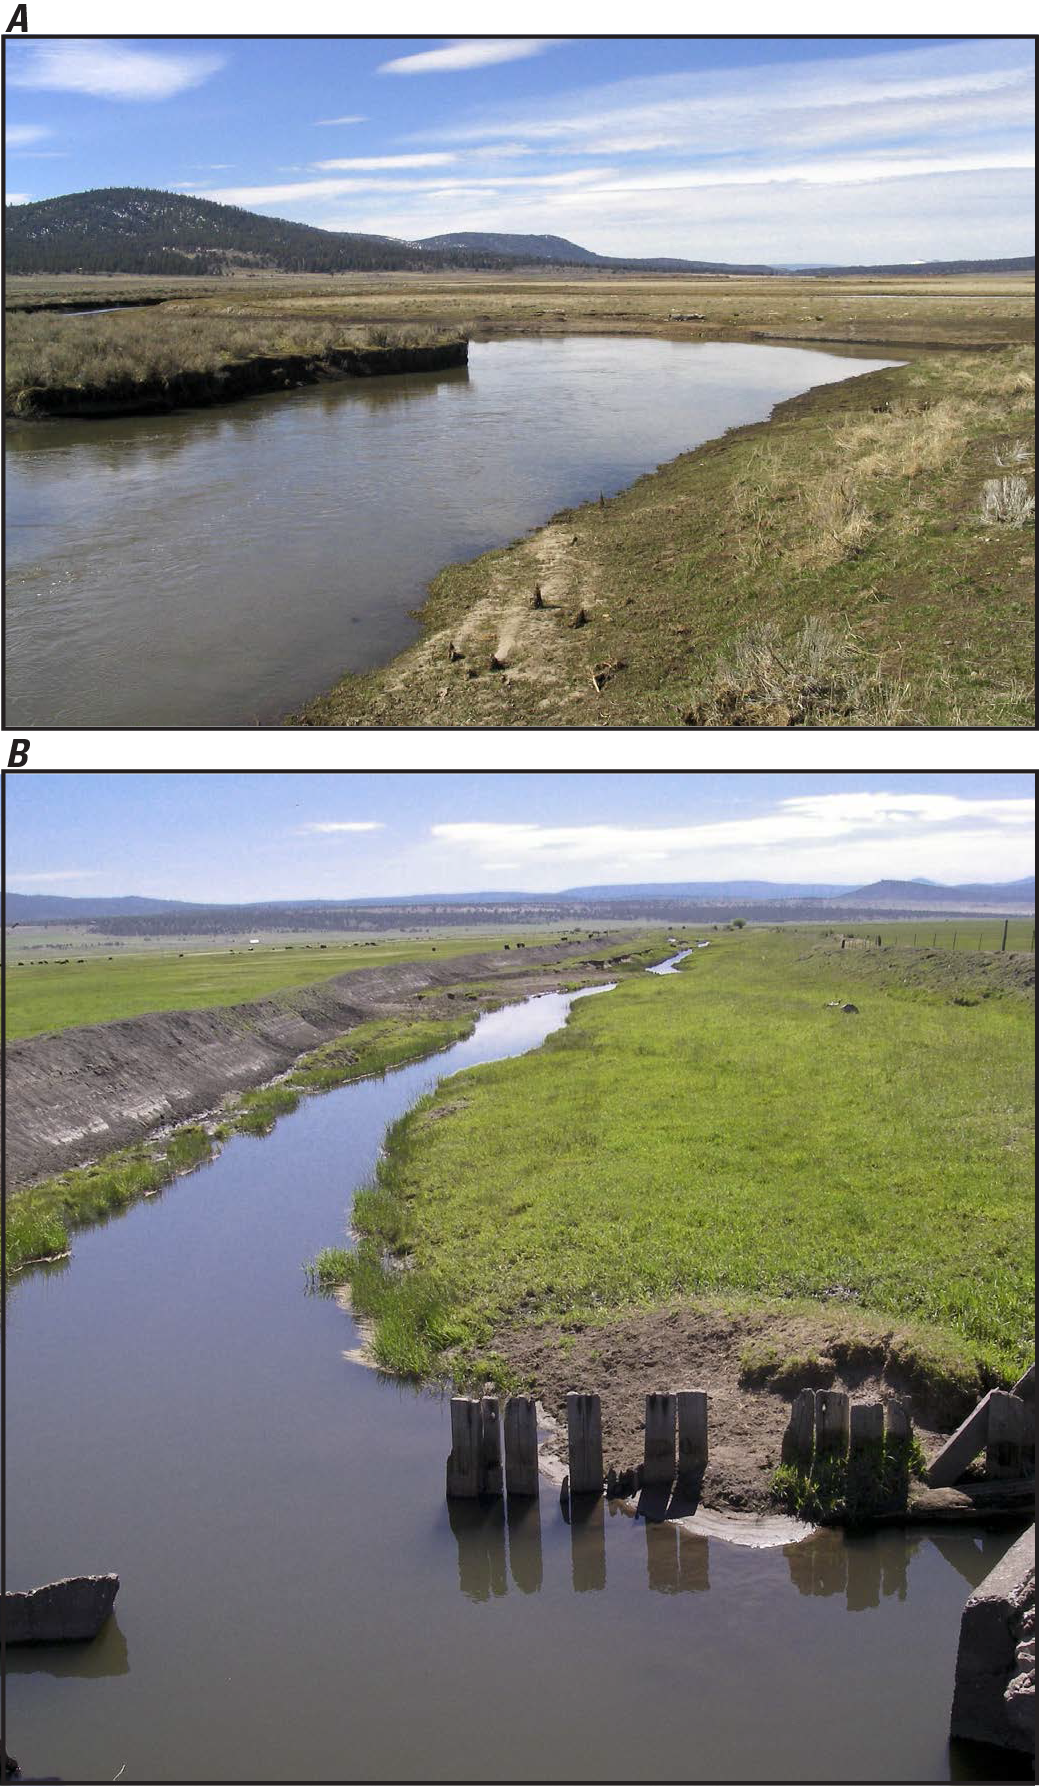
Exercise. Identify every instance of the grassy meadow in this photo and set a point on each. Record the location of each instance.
(56, 993)
(720, 1133)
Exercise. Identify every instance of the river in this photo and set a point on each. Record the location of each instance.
(223, 566)
(297, 1602)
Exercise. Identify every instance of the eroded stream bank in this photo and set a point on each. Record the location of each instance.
(297, 1599)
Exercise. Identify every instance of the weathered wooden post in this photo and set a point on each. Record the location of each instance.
(659, 1455)
(1005, 1433)
(463, 1465)
(799, 1438)
(521, 1445)
(865, 1425)
(831, 1422)
(692, 1433)
(490, 1445)
(897, 1424)
(584, 1443)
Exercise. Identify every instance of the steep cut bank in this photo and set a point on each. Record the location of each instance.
(77, 1096)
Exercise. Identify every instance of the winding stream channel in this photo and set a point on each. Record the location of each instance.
(224, 566)
(297, 1602)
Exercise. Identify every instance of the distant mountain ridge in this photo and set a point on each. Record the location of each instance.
(139, 229)
(825, 899)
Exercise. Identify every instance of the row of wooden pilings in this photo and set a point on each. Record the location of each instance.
(675, 1447)
(826, 1422)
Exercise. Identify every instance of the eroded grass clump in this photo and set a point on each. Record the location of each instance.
(850, 1489)
(820, 677)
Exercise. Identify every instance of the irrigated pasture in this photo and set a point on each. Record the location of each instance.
(729, 1132)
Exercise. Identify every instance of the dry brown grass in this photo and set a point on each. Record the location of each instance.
(820, 677)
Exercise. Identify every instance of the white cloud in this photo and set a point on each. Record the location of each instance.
(19, 198)
(17, 135)
(108, 70)
(357, 120)
(469, 53)
(840, 837)
(388, 161)
(319, 828)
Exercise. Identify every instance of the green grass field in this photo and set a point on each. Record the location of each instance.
(56, 994)
(721, 1133)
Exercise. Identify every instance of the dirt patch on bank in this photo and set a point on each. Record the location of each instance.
(702, 1348)
(75, 1096)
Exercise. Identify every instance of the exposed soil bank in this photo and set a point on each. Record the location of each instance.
(78, 1095)
(697, 1347)
(225, 384)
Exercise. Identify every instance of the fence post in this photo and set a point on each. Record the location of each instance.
(490, 1445)
(897, 1424)
(865, 1425)
(799, 1438)
(1006, 1421)
(521, 1445)
(692, 1433)
(463, 1465)
(1006, 927)
(659, 1453)
(831, 1422)
(584, 1443)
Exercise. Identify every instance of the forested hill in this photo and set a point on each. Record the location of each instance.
(133, 229)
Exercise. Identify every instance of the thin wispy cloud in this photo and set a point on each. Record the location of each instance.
(388, 161)
(332, 827)
(108, 70)
(60, 874)
(16, 136)
(353, 120)
(466, 53)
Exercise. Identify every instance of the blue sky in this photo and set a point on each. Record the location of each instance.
(759, 149)
(259, 836)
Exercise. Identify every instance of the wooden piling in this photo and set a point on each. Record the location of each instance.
(659, 1455)
(799, 1438)
(897, 1424)
(521, 1445)
(463, 1465)
(584, 1443)
(831, 1422)
(490, 1446)
(865, 1425)
(692, 1432)
(1005, 1433)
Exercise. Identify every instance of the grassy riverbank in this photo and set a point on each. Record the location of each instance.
(39, 1218)
(864, 558)
(720, 1138)
(159, 357)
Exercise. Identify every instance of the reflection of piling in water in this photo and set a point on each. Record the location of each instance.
(479, 1529)
(662, 1557)
(860, 1568)
(863, 1584)
(524, 1522)
(587, 1542)
(693, 1562)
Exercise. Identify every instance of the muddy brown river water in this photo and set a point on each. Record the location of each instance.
(222, 567)
(297, 1601)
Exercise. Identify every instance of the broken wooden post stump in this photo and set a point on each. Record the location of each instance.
(659, 1454)
(692, 1433)
(799, 1438)
(490, 1446)
(865, 1425)
(521, 1445)
(1005, 1433)
(584, 1443)
(962, 1448)
(831, 1422)
(463, 1465)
